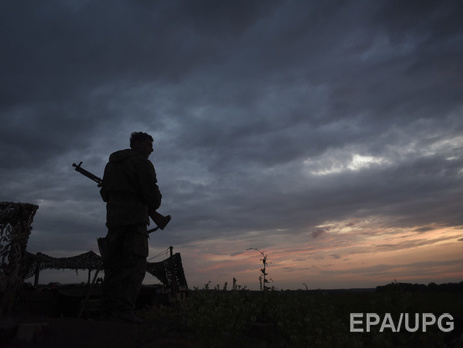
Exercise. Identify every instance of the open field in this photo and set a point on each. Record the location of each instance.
(322, 318)
(314, 318)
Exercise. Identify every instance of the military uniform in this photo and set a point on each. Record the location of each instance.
(131, 193)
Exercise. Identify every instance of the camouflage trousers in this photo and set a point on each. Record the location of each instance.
(124, 265)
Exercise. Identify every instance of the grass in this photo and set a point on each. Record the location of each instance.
(304, 318)
(217, 318)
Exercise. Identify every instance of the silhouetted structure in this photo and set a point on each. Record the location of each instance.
(15, 228)
(169, 271)
(35, 263)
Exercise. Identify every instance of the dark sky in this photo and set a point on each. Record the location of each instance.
(312, 130)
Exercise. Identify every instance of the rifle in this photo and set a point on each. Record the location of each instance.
(160, 220)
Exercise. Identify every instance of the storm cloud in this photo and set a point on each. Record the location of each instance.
(274, 122)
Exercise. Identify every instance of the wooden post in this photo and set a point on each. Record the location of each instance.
(173, 275)
(36, 275)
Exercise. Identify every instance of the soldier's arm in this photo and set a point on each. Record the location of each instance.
(150, 190)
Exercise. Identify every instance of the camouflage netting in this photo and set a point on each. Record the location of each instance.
(169, 272)
(39, 262)
(15, 228)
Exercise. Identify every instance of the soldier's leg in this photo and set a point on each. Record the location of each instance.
(112, 263)
(134, 267)
(125, 267)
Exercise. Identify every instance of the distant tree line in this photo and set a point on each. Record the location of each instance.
(431, 287)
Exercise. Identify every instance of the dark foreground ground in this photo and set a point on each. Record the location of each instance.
(72, 332)
(47, 319)
(240, 318)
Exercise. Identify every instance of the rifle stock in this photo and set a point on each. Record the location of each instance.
(160, 220)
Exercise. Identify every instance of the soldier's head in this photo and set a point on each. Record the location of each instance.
(141, 142)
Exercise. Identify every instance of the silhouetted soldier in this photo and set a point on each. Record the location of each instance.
(132, 195)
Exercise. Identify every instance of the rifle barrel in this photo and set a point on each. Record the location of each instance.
(89, 175)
